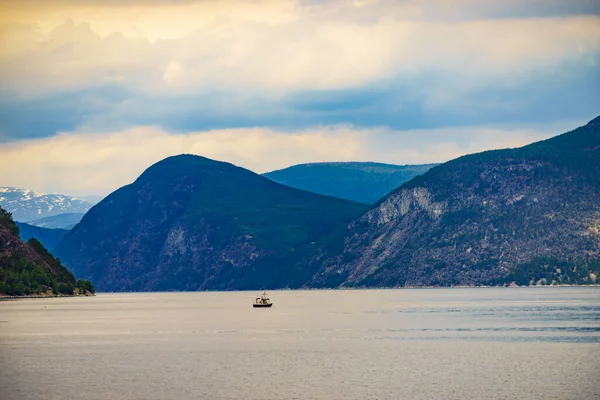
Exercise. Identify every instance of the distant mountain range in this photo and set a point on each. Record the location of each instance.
(60, 221)
(522, 216)
(48, 237)
(526, 215)
(363, 182)
(190, 223)
(27, 205)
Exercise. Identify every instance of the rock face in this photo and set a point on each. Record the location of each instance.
(363, 182)
(485, 218)
(190, 223)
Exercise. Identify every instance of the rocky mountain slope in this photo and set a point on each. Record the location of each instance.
(29, 269)
(524, 215)
(363, 182)
(190, 223)
(27, 205)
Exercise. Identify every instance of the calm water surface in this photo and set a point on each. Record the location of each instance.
(501, 343)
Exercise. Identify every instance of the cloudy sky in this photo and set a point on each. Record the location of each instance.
(93, 92)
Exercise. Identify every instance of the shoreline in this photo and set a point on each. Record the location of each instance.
(7, 298)
(42, 296)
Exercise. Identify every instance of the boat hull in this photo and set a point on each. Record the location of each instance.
(262, 305)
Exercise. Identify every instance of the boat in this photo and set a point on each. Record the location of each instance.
(262, 301)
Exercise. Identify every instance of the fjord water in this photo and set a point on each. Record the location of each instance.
(492, 343)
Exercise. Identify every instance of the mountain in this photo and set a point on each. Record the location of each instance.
(27, 205)
(524, 215)
(29, 269)
(191, 223)
(59, 221)
(48, 237)
(363, 182)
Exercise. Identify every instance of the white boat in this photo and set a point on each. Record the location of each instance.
(262, 301)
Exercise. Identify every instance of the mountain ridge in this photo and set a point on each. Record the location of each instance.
(528, 215)
(481, 218)
(191, 223)
(363, 182)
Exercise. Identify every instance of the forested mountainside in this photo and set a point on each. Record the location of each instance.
(525, 215)
(191, 223)
(363, 182)
(29, 269)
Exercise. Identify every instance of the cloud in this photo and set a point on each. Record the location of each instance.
(277, 47)
(81, 163)
(424, 102)
(208, 65)
(286, 66)
(273, 10)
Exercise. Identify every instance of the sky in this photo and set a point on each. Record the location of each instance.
(93, 92)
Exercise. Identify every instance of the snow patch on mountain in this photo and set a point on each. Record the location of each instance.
(27, 205)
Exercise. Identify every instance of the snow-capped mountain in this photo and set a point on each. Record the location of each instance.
(27, 205)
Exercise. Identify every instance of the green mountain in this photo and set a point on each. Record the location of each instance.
(525, 215)
(48, 237)
(363, 182)
(29, 269)
(190, 223)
